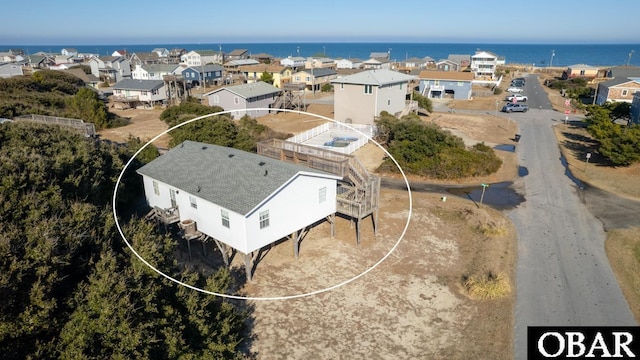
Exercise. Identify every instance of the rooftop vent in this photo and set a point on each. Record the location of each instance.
(230, 155)
(204, 148)
(261, 163)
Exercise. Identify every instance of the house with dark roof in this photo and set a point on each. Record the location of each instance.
(447, 65)
(623, 83)
(441, 84)
(461, 59)
(212, 75)
(89, 79)
(144, 58)
(238, 54)
(135, 93)
(241, 200)
(244, 98)
(361, 97)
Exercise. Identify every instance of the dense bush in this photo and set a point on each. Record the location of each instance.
(425, 149)
(620, 144)
(423, 101)
(70, 288)
(53, 93)
(219, 130)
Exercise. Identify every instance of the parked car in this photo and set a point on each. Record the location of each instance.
(517, 97)
(515, 90)
(517, 83)
(515, 107)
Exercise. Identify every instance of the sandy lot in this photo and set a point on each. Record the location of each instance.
(413, 304)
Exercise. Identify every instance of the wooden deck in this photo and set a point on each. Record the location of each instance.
(357, 198)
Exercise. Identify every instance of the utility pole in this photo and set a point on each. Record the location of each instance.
(629, 58)
(553, 53)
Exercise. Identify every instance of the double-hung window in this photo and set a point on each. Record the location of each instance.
(264, 219)
(225, 217)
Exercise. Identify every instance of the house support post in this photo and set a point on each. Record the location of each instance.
(204, 246)
(332, 220)
(189, 247)
(374, 219)
(297, 238)
(248, 264)
(358, 230)
(223, 250)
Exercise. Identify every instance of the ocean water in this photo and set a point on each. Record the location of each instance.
(535, 54)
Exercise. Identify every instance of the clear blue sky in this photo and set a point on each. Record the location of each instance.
(90, 22)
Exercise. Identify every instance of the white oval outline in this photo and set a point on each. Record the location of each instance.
(237, 297)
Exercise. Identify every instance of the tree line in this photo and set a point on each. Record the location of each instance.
(70, 288)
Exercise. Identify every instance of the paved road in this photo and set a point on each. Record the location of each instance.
(563, 275)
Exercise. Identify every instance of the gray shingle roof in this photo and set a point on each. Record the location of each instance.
(160, 67)
(135, 84)
(251, 90)
(234, 179)
(378, 77)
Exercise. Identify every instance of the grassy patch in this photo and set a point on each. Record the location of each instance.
(487, 286)
(623, 251)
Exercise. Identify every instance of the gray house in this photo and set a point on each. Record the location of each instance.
(243, 98)
(10, 70)
(450, 84)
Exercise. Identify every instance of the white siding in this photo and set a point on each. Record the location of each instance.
(292, 208)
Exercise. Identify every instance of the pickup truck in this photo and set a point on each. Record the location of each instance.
(515, 107)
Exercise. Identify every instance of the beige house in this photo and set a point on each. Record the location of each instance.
(361, 97)
(252, 73)
(313, 79)
(580, 71)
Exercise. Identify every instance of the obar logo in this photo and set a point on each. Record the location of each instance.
(583, 342)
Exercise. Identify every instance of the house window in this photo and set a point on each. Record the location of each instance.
(154, 92)
(322, 195)
(216, 99)
(156, 189)
(460, 83)
(143, 93)
(368, 89)
(342, 86)
(388, 102)
(400, 86)
(193, 201)
(264, 219)
(625, 92)
(236, 100)
(297, 78)
(225, 217)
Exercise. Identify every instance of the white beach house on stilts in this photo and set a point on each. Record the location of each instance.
(243, 201)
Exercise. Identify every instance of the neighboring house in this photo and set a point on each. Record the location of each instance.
(354, 63)
(40, 61)
(253, 73)
(381, 55)
(243, 98)
(634, 112)
(293, 62)
(411, 64)
(66, 59)
(122, 52)
(238, 54)
(212, 75)
(6, 57)
(10, 70)
(314, 78)
(175, 55)
(139, 92)
(448, 65)
(440, 84)
(153, 72)
(162, 52)
(580, 71)
(89, 79)
(376, 63)
(69, 52)
(113, 68)
(320, 63)
(263, 58)
(461, 59)
(202, 57)
(243, 200)
(359, 98)
(233, 65)
(618, 89)
(483, 64)
(144, 58)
